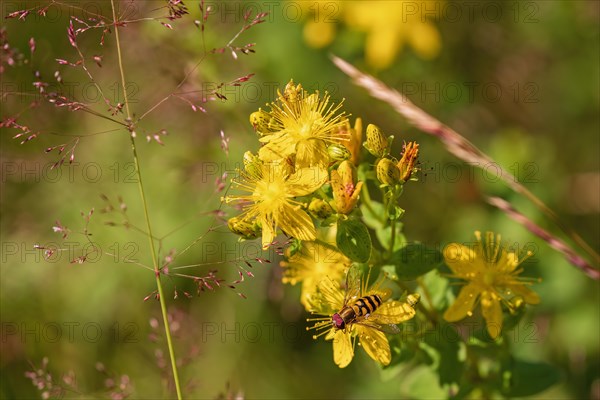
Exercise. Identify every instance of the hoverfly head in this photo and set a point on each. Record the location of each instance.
(337, 321)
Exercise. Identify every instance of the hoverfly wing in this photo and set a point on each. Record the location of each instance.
(379, 325)
(353, 280)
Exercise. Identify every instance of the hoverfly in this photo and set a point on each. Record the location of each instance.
(362, 312)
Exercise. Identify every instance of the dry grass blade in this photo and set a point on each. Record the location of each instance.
(552, 240)
(463, 149)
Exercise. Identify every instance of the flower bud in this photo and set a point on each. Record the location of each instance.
(337, 152)
(320, 208)
(292, 93)
(376, 143)
(262, 122)
(245, 228)
(387, 172)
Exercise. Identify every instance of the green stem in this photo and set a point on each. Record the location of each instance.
(157, 272)
(393, 237)
(427, 296)
(364, 193)
(394, 194)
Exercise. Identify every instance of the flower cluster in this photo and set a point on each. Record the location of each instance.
(306, 181)
(311, 181)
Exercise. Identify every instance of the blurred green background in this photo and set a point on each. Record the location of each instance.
(519, 79)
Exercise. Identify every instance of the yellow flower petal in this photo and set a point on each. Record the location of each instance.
(268, 232)
(464, 303)
(280, 145)
(492, 312)
(331, 294)
(343, 351)
(462, 260)
(296, 222)
(306, 180)
(311, 152)
(375, 344)
(528, 295)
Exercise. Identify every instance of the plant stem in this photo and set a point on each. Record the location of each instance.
(427, 296)
(157, 272)
(364, 193)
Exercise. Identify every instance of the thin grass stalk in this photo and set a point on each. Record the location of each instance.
(161, 297)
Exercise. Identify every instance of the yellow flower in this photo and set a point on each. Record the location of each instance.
(492, 278)
(319, 28)
(303, 125)
(345, 190)
(358, 312)
(387, 25)
(272, 189)
(310, 265)
(390, 24)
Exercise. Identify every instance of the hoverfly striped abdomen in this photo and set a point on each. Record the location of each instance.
(360, 308)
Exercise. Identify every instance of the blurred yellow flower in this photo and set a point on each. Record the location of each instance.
(303, 125)
(320, 25)
(388, 25)
(492, 278)
(310, 265)
(272, 189)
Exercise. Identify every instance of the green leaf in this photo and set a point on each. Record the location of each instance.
(414, 260)
(373, 215)
(528, 378)
(437, 286)
(353, 240)
(445, 339)
(423, 384)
